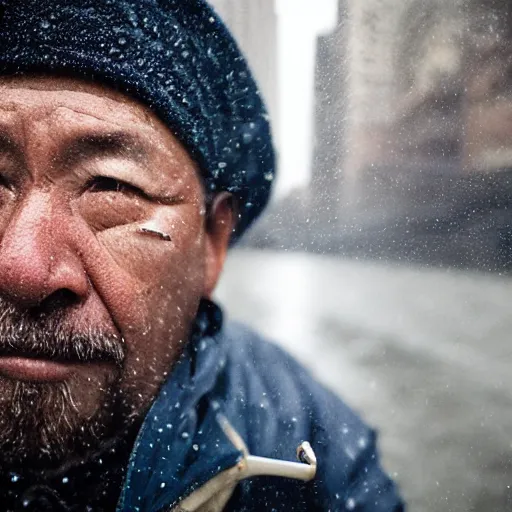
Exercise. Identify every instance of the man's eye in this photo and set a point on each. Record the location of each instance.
(107, 202)
(108, 184)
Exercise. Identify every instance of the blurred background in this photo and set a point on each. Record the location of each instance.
(383, 262)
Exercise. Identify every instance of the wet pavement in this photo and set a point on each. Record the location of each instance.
(423, 354)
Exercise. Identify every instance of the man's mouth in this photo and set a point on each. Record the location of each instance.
(44, 350)
(31, 369)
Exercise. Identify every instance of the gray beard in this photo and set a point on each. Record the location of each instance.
(40, 423)
(40, 426)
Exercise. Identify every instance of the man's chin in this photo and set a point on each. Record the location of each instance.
(43, 424)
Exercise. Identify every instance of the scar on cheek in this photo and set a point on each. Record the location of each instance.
(152, 228)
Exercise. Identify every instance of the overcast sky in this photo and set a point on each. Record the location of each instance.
(301, 21)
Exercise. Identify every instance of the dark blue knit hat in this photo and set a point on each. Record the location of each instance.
(177, 57)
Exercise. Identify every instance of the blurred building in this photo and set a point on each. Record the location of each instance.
(414, 132)
(330, 113)
(421, 84)
(254, 24)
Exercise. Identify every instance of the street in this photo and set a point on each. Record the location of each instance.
(423, 354)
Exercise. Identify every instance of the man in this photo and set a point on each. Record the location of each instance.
(134, 148)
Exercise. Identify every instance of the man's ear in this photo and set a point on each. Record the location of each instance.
(220, 222)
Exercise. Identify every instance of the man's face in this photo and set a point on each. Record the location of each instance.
(104, 256)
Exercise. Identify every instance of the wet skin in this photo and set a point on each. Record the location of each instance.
(82, 170)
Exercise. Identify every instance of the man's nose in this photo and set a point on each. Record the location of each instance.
(36, 262)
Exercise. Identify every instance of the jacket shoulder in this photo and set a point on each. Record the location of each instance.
(276, 404)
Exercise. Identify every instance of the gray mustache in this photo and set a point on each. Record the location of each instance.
(47, 337)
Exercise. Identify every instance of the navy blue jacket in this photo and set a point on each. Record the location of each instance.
(274, 404)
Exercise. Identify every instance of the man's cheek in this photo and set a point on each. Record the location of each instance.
(168, 312)
(154, 255)
(164, 276)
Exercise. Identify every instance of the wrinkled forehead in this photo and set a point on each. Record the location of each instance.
(34, 91)
(67, 105)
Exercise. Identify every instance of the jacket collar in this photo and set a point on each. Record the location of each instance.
(181, 444)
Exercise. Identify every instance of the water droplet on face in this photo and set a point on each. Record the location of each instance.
(351, 504)
(195, 447)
